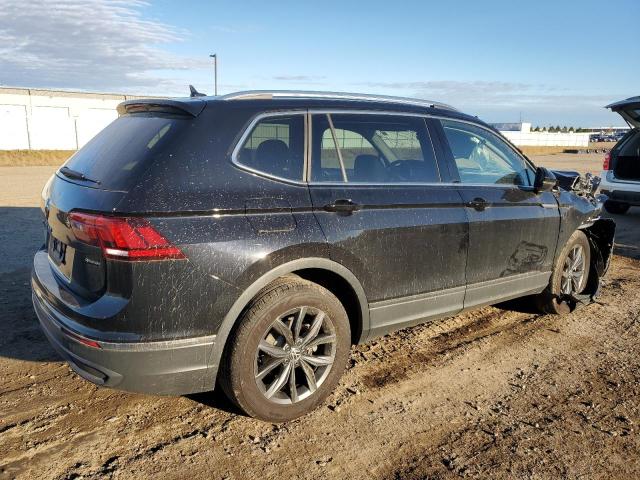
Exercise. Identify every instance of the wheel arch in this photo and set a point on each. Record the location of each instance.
(335, 277)
(600, 235)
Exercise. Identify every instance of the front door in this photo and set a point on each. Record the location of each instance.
(513, 230)
(376, 192)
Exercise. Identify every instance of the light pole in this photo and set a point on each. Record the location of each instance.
(215, 73)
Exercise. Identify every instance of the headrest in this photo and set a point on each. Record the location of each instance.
(272, 148)
(272, 156)
(368, 168)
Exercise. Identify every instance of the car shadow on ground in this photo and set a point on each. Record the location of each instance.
(216, 399)
(20, 334)
(21, 234)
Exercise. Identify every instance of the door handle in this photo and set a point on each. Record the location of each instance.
(478, 204)
(342, 206)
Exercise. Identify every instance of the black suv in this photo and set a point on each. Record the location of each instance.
(251, 239)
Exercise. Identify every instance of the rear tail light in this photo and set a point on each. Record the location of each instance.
(123, 238)
(607, 161)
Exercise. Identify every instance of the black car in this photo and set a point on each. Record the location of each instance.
(249, 240)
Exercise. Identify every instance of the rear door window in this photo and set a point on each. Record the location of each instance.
(275, 146)
(372, 148)
(126, 147)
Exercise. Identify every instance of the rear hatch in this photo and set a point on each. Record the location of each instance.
(83, 228)
(623, 162)
(628, 109)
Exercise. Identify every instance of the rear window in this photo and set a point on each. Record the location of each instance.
(126, 148)
(276, 147)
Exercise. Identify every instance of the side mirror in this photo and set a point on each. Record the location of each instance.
(545, 180)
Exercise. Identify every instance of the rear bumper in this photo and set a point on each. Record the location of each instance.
(620, 191)
(632, 198)
(173, 367)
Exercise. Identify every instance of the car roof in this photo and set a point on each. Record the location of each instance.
(298, 99)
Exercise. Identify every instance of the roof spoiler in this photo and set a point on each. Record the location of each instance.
(191, 107)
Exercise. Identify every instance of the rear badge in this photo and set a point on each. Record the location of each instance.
(92, 262)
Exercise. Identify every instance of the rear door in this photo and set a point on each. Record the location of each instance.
(513, 230)
(376, 192)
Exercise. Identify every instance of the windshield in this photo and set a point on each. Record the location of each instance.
(124, 149)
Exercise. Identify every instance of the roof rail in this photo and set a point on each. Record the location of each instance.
(311, 95)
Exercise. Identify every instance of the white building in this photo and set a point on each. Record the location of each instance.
(36, 119)
(520, 134)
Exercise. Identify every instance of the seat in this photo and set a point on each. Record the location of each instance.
(368, 168)
(272, 156)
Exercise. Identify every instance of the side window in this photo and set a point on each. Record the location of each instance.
(372, 148)
(484, 158)
(275, 146)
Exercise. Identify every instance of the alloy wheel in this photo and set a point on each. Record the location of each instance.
(295, 355)
(573, 273)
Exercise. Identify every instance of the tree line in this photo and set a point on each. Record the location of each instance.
(559, 129)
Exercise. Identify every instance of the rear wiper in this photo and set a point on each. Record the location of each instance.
(71, 173)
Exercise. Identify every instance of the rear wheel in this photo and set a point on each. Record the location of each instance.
(288, 351)
(617, 208)
(569, 277)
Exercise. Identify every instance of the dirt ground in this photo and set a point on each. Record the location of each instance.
(496, 393)
(26, 158)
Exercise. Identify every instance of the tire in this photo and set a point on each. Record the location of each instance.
(271, 321)
(551, 300)
(616, 208)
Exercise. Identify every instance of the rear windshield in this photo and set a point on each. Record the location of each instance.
(126, 148)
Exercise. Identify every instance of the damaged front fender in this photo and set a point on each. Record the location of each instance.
(601, 237)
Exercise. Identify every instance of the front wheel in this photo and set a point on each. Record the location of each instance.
(288, 352)
(569, 277)
(616, 208)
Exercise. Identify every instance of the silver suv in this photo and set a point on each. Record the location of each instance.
(621, 167)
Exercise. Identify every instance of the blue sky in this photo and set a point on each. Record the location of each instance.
(545, 62)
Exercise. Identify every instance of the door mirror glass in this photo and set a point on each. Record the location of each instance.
(545, 180)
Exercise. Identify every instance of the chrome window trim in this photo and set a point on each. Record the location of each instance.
(308, 113)
(359, 111)
(249, 129)
(423, 184)
(307, 152)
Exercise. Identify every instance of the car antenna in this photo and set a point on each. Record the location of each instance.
(195, 93)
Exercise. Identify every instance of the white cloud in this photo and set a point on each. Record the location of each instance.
(497, 100)
(299, 78)
(88, 44)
